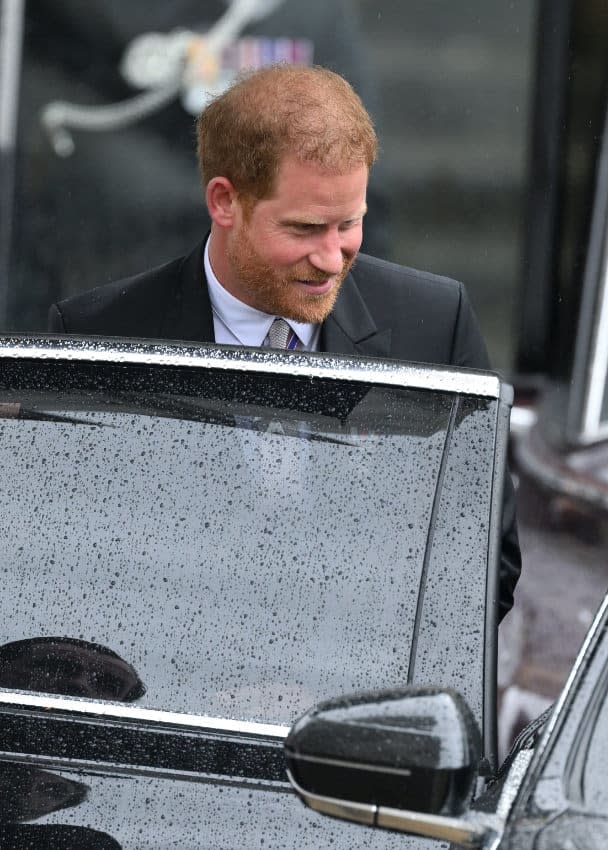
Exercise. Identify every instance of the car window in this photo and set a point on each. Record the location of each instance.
(577, 829)
(239, 545)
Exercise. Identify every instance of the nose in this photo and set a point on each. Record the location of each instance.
(328, 256)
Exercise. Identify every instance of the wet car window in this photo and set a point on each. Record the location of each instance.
(237, 545)
(590, 833)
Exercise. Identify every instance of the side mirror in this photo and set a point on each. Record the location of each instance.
(402, 759)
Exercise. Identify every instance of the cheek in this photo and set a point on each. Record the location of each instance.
(285, 252)
(352, 241)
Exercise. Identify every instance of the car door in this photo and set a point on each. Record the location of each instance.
(201, 543)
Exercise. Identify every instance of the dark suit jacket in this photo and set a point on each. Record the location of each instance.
(382, 310)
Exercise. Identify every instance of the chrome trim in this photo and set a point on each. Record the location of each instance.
(79, 706)
(334, 762)
(303, 364)
(12, 14)
(507, 394)
(469, 831)
(592, 428)
(590, 366)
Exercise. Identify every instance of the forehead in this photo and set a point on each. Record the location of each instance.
(308, 184)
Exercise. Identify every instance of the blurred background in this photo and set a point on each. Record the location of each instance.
(449, 86)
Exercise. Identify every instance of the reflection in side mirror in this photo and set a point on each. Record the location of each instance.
(404, 759)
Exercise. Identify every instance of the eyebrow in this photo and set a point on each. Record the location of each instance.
(311, 222)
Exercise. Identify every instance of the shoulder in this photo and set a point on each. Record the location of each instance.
(129, 288)
(430, 316)
(381, 280)
(133, 304)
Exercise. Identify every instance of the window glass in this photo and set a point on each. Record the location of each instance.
(581, 830)
(238, 546)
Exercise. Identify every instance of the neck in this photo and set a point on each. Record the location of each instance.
(217, 255)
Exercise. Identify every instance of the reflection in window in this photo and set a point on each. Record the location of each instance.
(246, 559)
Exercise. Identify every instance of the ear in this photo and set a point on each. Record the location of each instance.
(221, 201)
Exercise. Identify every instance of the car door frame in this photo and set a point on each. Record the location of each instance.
(261, 743)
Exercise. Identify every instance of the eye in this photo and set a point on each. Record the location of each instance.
(302, 227)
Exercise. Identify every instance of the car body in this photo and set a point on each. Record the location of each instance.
(200, 543)
(550, 792)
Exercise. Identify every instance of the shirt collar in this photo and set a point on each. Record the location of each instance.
(248, 325)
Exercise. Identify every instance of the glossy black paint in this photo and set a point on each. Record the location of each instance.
(146, 746)
(550, 794)
(562, 800)
(415, 748)
(28, 793)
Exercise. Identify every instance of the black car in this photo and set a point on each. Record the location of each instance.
(407, 760)
(199, 543)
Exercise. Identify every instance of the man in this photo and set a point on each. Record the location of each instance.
(285, 156)
(129, 171)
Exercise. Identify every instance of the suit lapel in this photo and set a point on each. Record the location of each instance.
(189, 315)
(350, 329)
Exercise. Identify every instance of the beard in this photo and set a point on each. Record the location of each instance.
(279, 293)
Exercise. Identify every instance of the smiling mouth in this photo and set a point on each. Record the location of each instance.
(319, 284)
(316, 287)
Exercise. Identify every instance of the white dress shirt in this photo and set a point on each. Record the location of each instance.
(236, 323)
